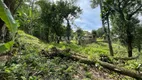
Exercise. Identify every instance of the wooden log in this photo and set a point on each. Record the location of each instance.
(123, 71)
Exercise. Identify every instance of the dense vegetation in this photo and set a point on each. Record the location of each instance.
(37, 41)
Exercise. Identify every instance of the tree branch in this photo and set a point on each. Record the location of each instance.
(135, 11)
(126, 3)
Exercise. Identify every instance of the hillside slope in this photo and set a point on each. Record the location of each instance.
(28, 63)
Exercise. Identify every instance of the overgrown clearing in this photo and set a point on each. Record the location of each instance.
(70, 39)
(29, 62)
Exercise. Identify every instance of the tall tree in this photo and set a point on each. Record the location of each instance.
(94, 33)
(53, 16)
(79, 33)
(126, 11)
(69, 12)
(100, 32)
(138, 37)
(105, 19)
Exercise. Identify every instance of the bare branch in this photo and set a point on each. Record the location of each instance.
(135, 11)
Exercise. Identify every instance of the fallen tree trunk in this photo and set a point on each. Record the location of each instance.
(123, 71)
(111, 67)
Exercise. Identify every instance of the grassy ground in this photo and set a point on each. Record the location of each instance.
(27, 61)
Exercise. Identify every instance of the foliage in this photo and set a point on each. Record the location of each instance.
(122, 13)
(94, 33)
(28, 63)
(50, 21)
(6, 46)
(6, 16)
(52, 18)
(79, 35)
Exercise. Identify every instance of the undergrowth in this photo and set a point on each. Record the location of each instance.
(28, 63)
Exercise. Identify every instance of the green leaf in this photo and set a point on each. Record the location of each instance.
(6, 46)
(11, 24)
(6, 16)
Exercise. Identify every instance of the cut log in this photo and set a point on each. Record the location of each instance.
(123, 71)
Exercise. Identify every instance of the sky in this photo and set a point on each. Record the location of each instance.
(90, 18)
(140, 18)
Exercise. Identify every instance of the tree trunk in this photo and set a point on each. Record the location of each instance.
(123, 71)
(58, 39)
(103, 24)
(129, 41)
(139, 47)
(129, 47)
(47, 36)
(109, 40)
(68, 31)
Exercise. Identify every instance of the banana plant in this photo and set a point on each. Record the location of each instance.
(10, 23)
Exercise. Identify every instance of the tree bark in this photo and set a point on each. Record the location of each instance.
(58, 39)
(123, 71)
(130, 48)
(139, 47)
(108, 34)
(68, 31)
(129, 41)
(109, 40)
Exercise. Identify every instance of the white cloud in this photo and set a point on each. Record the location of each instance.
(90, 18)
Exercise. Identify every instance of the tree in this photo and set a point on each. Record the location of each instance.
(47, 18)
(100, 32)
(80, 34)
(94, 33)
(106, 15)
(138, 37)
(124, 11)
(53, 16)
(105, 20)
(27, 14)
(69, 12)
